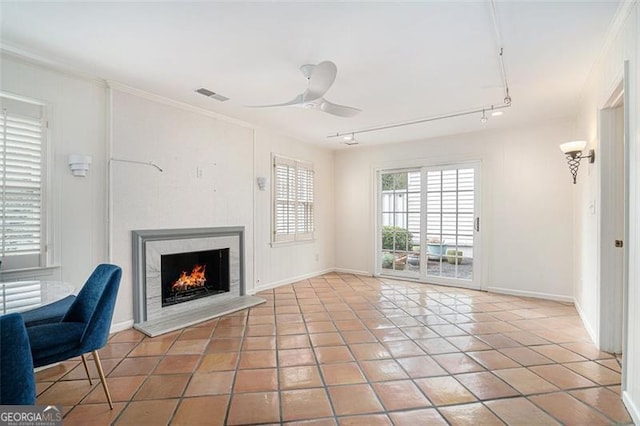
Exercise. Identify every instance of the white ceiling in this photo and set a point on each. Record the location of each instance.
(397, 61)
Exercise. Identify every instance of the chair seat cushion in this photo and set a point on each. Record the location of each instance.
(55, 342)
(47, 314)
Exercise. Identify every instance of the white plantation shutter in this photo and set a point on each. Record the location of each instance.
(21, 183)
(284, 199)
(304, 217)
(292, 200)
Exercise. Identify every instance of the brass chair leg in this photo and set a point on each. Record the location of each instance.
(102, 378)
(84, 362)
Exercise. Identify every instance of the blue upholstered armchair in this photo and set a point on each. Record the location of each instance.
(17, 382)
(53, 312)
(84, 327)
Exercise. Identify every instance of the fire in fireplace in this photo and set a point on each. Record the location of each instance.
(192, 275)
(196, 279)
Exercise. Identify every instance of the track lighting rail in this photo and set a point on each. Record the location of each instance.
(422, 120)
(483, 110)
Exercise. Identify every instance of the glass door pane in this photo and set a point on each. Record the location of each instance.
(400, 238)
(450, 218)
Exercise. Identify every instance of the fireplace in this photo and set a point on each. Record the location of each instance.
(185, 276)
(192, 275)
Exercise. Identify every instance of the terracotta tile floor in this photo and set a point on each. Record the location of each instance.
(343, 349)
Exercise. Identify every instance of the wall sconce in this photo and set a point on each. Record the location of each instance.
(573, 151)
(79, 164)
(262, 183)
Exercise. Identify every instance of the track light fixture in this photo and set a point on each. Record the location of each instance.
(350, 139)
(484, 118)
(573, 152)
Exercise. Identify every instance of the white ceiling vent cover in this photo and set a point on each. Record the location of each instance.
(214, 95)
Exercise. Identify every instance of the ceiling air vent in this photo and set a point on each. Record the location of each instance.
(211, 94)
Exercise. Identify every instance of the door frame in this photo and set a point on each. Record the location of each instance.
(475, 162)
(614, 217)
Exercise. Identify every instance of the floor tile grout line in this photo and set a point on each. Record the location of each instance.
(95, 386)
(413, 380)
(195, 369)
(400, 304)
(594, 407)
(320, 373)
(400, 365)
(275, 317)
(500, 377)
(547, 412)
(232, 392)
(326, 387)
(483, 366)
(367, 380)
(133, 395)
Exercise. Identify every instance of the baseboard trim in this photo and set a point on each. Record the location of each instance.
(632, 408)
(352, 271)
(587, 324)
(534, 294)
(120, 326)
(291, 280)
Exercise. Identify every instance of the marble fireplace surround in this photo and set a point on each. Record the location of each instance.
(148, 247)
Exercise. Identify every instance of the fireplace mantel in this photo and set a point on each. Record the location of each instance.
(150, 245)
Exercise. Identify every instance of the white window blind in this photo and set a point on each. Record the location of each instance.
(292, 200)
(21, 183)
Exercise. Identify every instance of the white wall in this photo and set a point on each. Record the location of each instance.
(77, 120)
(206, 182)
(183, 140)
(287, 262)
(625, 45)
(527, 226)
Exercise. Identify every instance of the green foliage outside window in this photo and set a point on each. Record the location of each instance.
(393, 181)
(396, 238)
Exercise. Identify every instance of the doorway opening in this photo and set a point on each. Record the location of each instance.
(612, 235)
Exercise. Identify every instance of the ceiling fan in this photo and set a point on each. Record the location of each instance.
(321, 78)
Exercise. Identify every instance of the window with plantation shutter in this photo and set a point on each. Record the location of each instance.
(292, 200)
(21, 184)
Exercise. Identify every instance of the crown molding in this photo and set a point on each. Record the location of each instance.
(617, 24)
(114, 85)
(46, 62)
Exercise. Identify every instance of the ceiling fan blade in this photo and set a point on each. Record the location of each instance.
(321, 79)
(339, 110)
(296, 101)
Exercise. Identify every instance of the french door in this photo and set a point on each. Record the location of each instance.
(430, 224)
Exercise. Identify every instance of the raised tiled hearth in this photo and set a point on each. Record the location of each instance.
(343, 349)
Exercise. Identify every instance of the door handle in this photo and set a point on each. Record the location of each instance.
(477, 224)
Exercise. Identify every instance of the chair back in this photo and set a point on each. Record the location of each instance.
(94, 306)
(17, 381)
